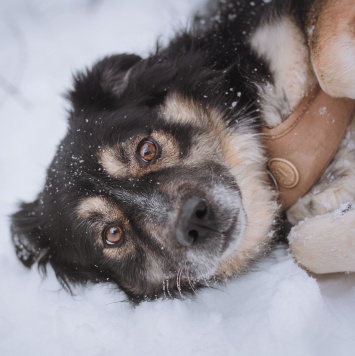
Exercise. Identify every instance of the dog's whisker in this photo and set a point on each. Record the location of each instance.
(178, 281)
(167, 288)
(189, 279)
(164, 290)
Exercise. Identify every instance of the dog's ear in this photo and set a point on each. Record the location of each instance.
(103, 84)
(31, 244)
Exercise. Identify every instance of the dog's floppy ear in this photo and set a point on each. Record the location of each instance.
(103, 84)
(31, 244)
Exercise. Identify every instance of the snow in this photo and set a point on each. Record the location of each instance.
(277, 309)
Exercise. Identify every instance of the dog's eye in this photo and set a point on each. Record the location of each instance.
(113, 235)
(147, 150)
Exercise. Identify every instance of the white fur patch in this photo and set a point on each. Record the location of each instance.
(283, 46)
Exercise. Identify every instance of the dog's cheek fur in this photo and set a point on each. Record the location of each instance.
(247, 161)
(240, 149)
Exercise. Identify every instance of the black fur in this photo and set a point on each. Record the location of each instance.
(118, 98)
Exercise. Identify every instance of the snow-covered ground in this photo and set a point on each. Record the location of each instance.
(275, 310)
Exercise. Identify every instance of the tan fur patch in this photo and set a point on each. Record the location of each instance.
(111, 162)
(181, 110)
(95, 205)
(206, 146)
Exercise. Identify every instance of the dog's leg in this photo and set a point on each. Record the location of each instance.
(331, 37)
(326, 243)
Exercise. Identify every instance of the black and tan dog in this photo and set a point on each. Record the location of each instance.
(160, 185)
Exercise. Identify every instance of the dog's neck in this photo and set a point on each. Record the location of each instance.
(300, 149)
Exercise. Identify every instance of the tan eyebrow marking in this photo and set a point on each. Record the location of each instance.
(180, 110)
(96, 205)
(109, 159)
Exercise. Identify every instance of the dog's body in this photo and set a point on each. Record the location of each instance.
(160, 185)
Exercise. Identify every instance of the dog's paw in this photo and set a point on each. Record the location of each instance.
(326, 243)
(332, 47)
(313, 205)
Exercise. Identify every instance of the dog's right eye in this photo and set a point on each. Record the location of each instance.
(112, 235)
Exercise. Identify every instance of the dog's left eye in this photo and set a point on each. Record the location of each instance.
(147, 150)
(113, 235)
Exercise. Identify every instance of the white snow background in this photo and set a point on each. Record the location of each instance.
(278, 309)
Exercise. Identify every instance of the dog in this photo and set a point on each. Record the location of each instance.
(161, 185)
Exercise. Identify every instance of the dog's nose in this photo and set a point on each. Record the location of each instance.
(196, 222)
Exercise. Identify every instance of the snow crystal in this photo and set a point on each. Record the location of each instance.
(346, 163)
(300, 75)
(311, 30)
(323, 110)
(326, 204)
(343, 208)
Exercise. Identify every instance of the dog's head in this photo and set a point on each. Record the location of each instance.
(159, 186)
